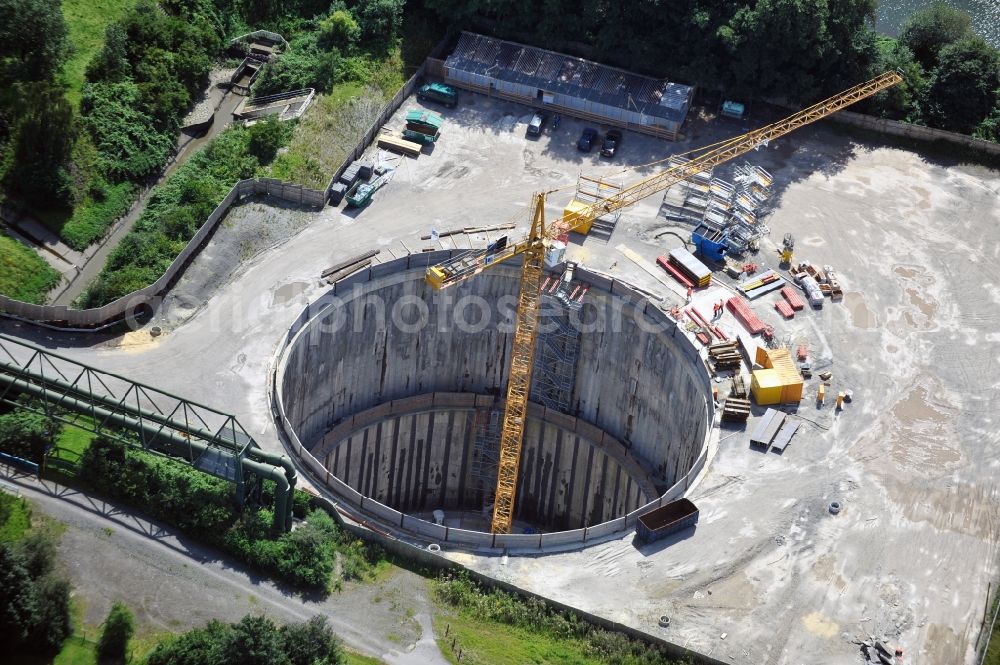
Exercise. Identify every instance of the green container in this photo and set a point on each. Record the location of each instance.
(440, 93)
(420, 137)
(424, 121)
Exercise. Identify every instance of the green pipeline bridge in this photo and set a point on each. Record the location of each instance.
(111, 405)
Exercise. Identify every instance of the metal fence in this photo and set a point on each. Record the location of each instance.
(65, 317)
(397, 100)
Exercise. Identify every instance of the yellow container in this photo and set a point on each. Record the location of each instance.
(574, 217)
(779, 382)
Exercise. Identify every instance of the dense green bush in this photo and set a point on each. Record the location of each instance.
(177, 209)
(204, 506)
(130, 144)
(306, 64)
(25, 434)
(253, 640)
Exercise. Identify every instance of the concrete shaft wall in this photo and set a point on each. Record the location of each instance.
(417, 459)
(392, 336)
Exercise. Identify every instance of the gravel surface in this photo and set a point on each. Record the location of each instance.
(210, 96)
(249, 229)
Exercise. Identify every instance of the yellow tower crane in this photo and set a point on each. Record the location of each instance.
(578, 216)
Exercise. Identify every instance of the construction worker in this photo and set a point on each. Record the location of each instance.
(690, 291)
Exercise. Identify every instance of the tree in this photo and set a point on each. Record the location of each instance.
(901, 101)
(42, 147)
(266, 137)
(33, 42)
(340, 30)
(37, 551)
(201, 646)
(111, 62)
(379, 21)
(112, 646)
(930, 29)
(34, 612)
(963, 88)
(989, 129)
(16, 602)
(52, 623)
(255, 641)
(312, 643)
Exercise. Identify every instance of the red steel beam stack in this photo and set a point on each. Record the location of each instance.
(784, 309)
(664, 263)
(741, 310)
(794, 301)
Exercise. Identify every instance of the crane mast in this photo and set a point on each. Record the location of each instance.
(579, 217)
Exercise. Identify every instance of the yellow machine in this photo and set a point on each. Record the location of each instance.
(578, 217)
(787, 245)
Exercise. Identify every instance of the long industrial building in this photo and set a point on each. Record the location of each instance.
(569, 85)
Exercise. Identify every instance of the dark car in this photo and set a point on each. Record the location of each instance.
(586, 141)
(537, 122)
(612, 140)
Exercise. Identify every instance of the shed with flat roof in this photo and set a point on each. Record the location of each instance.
(568, 85)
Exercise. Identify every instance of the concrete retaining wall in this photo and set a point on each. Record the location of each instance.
(642, 388)
(416, 454)
(305, 350)
(906, 130)
(126, 306)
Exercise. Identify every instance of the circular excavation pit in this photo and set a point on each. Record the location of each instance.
(393, 392)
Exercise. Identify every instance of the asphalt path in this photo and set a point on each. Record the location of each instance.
(173, 583)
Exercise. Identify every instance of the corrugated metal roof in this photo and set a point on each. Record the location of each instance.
(574, 77)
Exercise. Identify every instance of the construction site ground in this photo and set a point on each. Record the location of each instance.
(768, 575)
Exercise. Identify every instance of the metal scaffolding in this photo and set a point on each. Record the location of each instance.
(725, 213)
(486, 451)
(558, 341)
(592, 190)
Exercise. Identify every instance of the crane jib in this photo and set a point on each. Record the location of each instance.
(578, 216)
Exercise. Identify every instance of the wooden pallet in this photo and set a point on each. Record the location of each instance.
(736, 409)
(396, 144)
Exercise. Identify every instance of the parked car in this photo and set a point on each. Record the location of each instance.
(537, 122)
(586, 141)
(612, 140)
(440, 93)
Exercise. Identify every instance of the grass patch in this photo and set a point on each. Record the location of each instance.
(15, 517)
(24, 275)
(993, 646)
(327, 133)
(490, 626)
(90, 220)
(76, 651)
(491, 643)
(63, 462)
(352, 658)
(86, 21)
